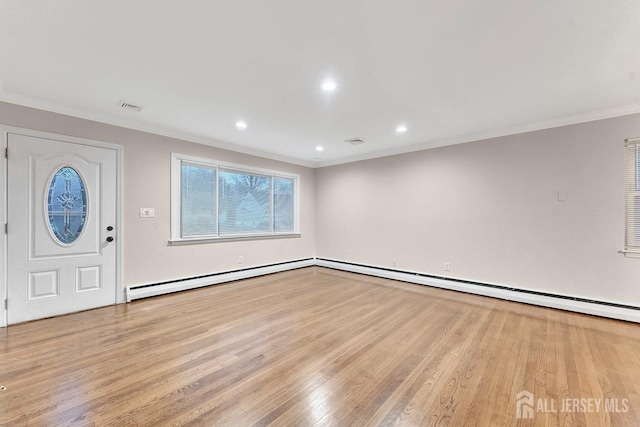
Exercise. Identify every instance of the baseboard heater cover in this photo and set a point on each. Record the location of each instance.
(562, 302)
(579, 305)
(155, 289)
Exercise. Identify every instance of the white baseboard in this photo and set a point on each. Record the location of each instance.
(499, 291)
(562, 303)
(150, 289)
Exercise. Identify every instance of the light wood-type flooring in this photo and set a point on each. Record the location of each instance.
(319, 347)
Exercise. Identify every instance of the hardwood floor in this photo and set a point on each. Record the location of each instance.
(318, 347)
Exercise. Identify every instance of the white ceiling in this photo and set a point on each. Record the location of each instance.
(451, 71)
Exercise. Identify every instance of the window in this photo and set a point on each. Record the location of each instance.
(632, 195)
(214, 200)
(66, 205)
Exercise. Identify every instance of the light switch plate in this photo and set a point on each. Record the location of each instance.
(147, 212)
(563, 196)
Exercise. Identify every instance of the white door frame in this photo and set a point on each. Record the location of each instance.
(4, 132)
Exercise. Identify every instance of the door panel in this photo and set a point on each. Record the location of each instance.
(59, 260)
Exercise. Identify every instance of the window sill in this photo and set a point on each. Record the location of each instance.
(199, 241)
(630, 254)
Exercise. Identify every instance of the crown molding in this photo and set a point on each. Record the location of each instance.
(547, 124)
(157, 130)
(152, 129)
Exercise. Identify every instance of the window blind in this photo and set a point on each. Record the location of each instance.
(198, 200)
(283, 204)
(632, 195)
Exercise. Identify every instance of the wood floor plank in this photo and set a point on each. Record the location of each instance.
(317, 347)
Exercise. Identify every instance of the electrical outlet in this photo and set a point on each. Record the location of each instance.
(147, 212)
(447, 266)
(240, 259)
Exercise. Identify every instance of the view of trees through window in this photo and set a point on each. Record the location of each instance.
(244, 203)
(227, 202)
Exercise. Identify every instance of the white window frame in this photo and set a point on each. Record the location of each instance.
(176, 176)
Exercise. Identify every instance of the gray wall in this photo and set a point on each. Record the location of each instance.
(490, 208)
(147, 174)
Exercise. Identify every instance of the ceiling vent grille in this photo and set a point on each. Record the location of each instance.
(355, 141)
(131, 107)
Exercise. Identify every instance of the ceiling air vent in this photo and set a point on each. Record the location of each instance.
(130, 107)
(355, 141)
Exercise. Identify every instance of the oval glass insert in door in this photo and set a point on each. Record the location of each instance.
(66, 205)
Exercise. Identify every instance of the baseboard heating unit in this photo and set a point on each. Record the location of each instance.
(562, 302)
(155, 289)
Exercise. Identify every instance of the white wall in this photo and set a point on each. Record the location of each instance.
(490, 209)
(148, 258)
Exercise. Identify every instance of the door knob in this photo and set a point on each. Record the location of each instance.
(109, 239)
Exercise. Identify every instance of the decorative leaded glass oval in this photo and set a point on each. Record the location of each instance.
(66, 205)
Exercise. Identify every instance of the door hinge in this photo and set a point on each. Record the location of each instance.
(6, 153)
(6, 303)
(6, 228)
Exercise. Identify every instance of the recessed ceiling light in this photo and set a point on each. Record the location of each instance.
(401, 129)
(329, 86)
(319, 148)
(241, 124)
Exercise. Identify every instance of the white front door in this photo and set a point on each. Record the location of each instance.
(61, 248)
